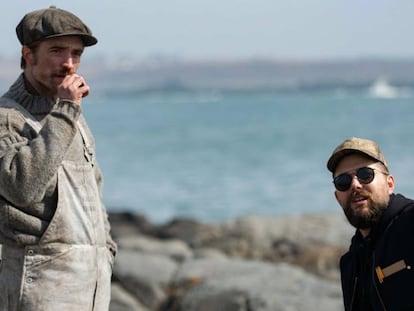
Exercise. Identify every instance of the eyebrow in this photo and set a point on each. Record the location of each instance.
(64, 47)
(354, 170)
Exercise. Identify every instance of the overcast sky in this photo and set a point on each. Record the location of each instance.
(234, 29)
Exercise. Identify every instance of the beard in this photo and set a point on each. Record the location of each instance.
(46, 80)
(361, 218)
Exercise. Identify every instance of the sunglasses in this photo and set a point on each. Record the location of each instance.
(365, 175)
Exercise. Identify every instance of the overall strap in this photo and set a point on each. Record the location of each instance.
(37, 126)
(87, 144)
(30, 119)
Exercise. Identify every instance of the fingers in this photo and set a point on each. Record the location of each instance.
(73, 88)
(20, 227)
(23, 223)
(24, 239)
(79, 85)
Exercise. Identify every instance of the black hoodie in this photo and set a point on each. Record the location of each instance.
(377, 272)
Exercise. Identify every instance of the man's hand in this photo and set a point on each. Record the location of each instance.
(73, 88)
(20, 227)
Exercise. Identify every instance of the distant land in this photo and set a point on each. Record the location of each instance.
(166, 75)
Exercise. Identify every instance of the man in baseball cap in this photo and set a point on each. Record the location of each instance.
(57, 252)
(376, 272)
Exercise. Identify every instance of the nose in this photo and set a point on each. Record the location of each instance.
(356, 184)
(68, 62)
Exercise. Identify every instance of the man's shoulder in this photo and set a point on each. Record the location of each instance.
(10, 113)
(402, 216)
(8, 106)
(6, 102)
(402, 204)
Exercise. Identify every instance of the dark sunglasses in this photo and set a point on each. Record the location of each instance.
(365, 175)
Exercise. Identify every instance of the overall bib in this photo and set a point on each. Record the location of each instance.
(70, 268)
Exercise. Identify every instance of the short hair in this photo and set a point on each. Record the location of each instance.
(32, 47)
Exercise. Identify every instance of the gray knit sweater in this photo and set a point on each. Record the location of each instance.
(29, 162)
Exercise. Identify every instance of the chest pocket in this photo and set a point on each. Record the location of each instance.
(76, 150)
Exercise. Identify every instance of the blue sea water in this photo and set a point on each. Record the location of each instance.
(217, 156)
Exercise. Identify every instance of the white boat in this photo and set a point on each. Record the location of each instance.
(382, 89)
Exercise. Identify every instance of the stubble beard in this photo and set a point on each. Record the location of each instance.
(47, 84)
(365, 217)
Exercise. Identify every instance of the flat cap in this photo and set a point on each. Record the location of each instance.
(52, 22)
(352, 145)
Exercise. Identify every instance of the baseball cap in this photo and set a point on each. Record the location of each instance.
(52, 22)
(356, 145)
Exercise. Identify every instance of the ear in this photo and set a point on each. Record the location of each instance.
(27, 54)
(336, 195)
(390, 183)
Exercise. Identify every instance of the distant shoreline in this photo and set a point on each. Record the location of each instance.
(234, 75)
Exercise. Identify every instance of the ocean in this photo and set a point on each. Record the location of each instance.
(214, 156)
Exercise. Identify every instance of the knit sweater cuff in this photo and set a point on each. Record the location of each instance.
(68, 109)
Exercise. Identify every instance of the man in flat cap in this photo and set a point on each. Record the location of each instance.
(57, 252)
(377, 272)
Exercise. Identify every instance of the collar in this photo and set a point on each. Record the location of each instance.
(396, 206)
(33, 103)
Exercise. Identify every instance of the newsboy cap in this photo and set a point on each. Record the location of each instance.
(352, 145)
(52, 22)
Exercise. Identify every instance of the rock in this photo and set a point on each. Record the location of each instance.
(189, 231)
(208, 253)
(127, 224)
(216, 299)
(144, 276)
(254, 285)
(121, 300)
(287, 263)
(173, 248)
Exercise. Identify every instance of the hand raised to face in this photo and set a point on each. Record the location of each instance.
(73, 88)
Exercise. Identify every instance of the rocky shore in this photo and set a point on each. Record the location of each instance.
(287, 263)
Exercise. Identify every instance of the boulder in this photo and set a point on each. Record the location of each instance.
(286, 263)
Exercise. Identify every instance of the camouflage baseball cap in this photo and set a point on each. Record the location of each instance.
(356, 145)
(52, 22)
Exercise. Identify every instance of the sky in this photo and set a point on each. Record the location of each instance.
(234, 29)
